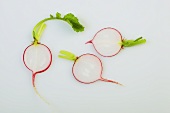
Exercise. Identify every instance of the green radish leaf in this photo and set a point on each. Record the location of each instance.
(51, 16)
(74, 22)
(69, 18)
(58, 15)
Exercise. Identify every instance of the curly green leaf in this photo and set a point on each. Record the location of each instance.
(69, 18)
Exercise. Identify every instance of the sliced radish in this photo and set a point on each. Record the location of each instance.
(108, 42)
(87, 68)
(37, 57)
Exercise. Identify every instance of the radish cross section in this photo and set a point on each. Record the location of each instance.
(108, 42)
(37, 57)
(87, 68)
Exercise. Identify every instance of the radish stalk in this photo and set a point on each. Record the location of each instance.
(87, 68)
(37, 57)
(130, 43)
(108, 42)
(69, 18)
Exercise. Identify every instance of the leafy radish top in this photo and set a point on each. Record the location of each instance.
(69, 18)
(108, 42)
(87, 68)
(37, 57)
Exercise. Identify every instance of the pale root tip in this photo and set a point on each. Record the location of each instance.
(120, 84)
(88, 42)
(117, 83)
(111, 81)
(35, 89)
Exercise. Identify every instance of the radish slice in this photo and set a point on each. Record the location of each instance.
(87, 68)
(37, 58)
(108, 42)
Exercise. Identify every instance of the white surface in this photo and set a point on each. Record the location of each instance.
(144, 69)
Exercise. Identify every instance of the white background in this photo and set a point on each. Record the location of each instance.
(144, 69)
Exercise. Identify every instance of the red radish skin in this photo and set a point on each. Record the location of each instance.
(52, 107)
(38, 59)
(35, 73)
(88, 82)
(91, 41)
(100, 79)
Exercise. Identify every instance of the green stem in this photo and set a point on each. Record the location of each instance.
(69, 18)
(67, 55)
(39, 28)
(39, 33)
(129, 43)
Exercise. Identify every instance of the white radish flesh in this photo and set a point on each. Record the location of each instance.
(87, 68)
(107, 42)
(37, 58)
